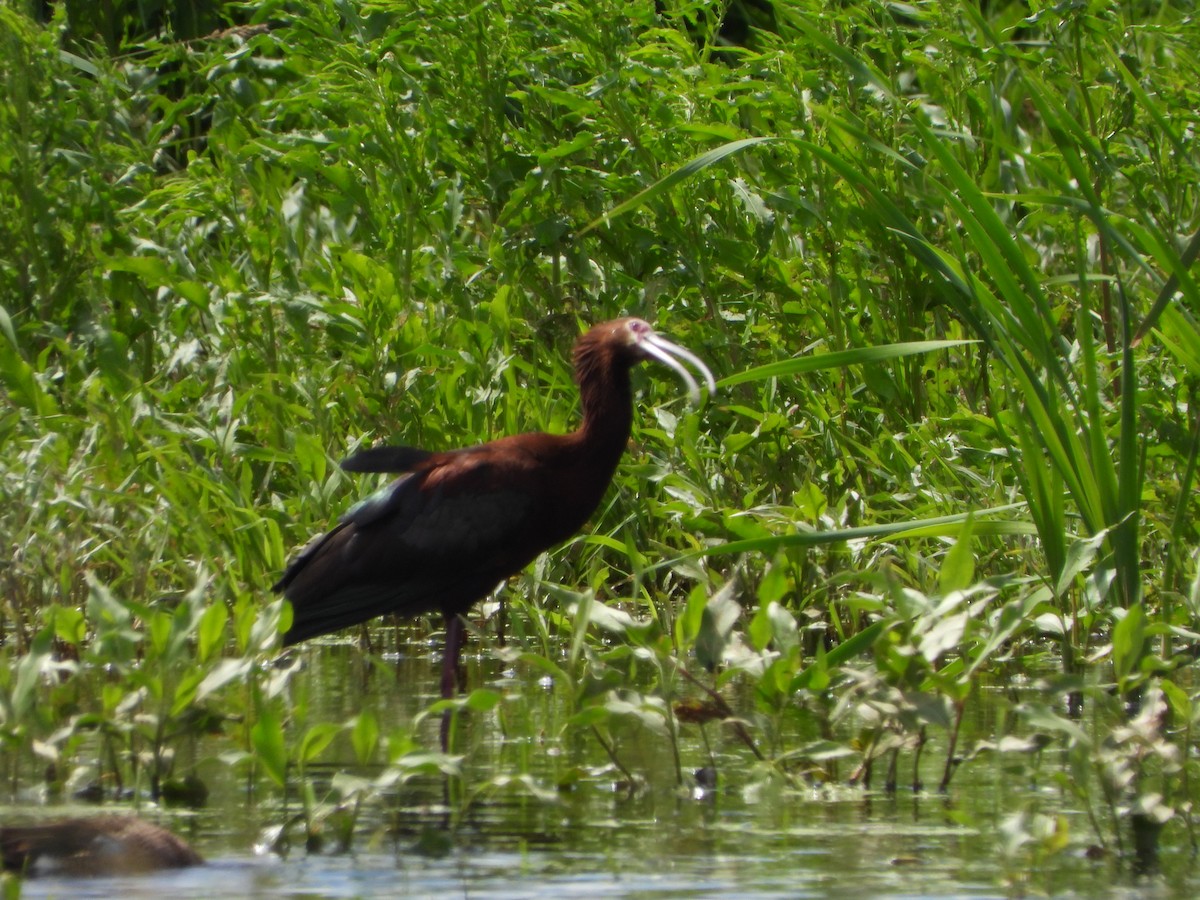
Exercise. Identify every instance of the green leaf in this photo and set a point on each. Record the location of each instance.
(845, 651)
(158, 630)
(210, 636)
(1128, 640)
(773, 624)
(545, 664)
(716, 624)
(581, 141)
(1080, 555)
(29, 673)
(1181, 704)
(583, 611)
(6, 328)
(1043, 719)
(815, 676)
(687, 624)
(838, 359)
(225, 671)
(938, 525)
(1017, 615)
(775, 583)
(944, 635)
(364, 737)
(266, 737)
(591, 716)
(315, 740)
(665, 184)
(483, 700)
(958, 565)
(70, 624)
(759, 630)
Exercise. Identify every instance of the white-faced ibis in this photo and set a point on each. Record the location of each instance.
(95, 846)
(458, 523)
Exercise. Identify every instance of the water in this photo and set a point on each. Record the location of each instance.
(542, 812)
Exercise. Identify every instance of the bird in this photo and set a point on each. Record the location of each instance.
(94, 846)
(458, 523)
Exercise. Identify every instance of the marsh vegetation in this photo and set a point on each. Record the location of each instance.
(937, 530)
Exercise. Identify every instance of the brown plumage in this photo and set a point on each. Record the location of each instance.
(94, 846)
(458, 523)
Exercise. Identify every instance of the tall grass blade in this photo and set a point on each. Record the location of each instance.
(838, 359)
(668, 182)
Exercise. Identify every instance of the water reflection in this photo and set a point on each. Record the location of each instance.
(582, 834)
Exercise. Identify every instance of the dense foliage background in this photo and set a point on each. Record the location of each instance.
(229, 257)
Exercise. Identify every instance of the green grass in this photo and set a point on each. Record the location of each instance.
(228, 261)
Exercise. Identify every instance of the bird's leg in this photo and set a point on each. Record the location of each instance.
(455, 638)
(451, 676)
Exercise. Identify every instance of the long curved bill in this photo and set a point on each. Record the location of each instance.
(669, 355)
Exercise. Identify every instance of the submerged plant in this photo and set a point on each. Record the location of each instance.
(941, 255)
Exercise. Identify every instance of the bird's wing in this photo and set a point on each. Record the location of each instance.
(466, 502)
(467, 515)
(386, 459)
(438, 538)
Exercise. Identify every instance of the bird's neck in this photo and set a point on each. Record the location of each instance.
(607, 410)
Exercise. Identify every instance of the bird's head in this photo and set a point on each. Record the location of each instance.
(636, 340)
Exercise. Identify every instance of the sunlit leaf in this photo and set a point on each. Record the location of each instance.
(210, 635)
(945, 635)
(316, 738)
(668, 182)
(223, 673)
(1128, 640)
(836, 360)
(266, 736)
(858, 643)
(958, 565)
(364, 737)
(719, 615)
(1080, 555)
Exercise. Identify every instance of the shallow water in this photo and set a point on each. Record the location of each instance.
(581, 833)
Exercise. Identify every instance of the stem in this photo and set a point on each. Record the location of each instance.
(960, 707)
(612, 755)
(727, 715)
(922, 740)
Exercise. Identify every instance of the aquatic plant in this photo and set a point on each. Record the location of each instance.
(941, 255)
